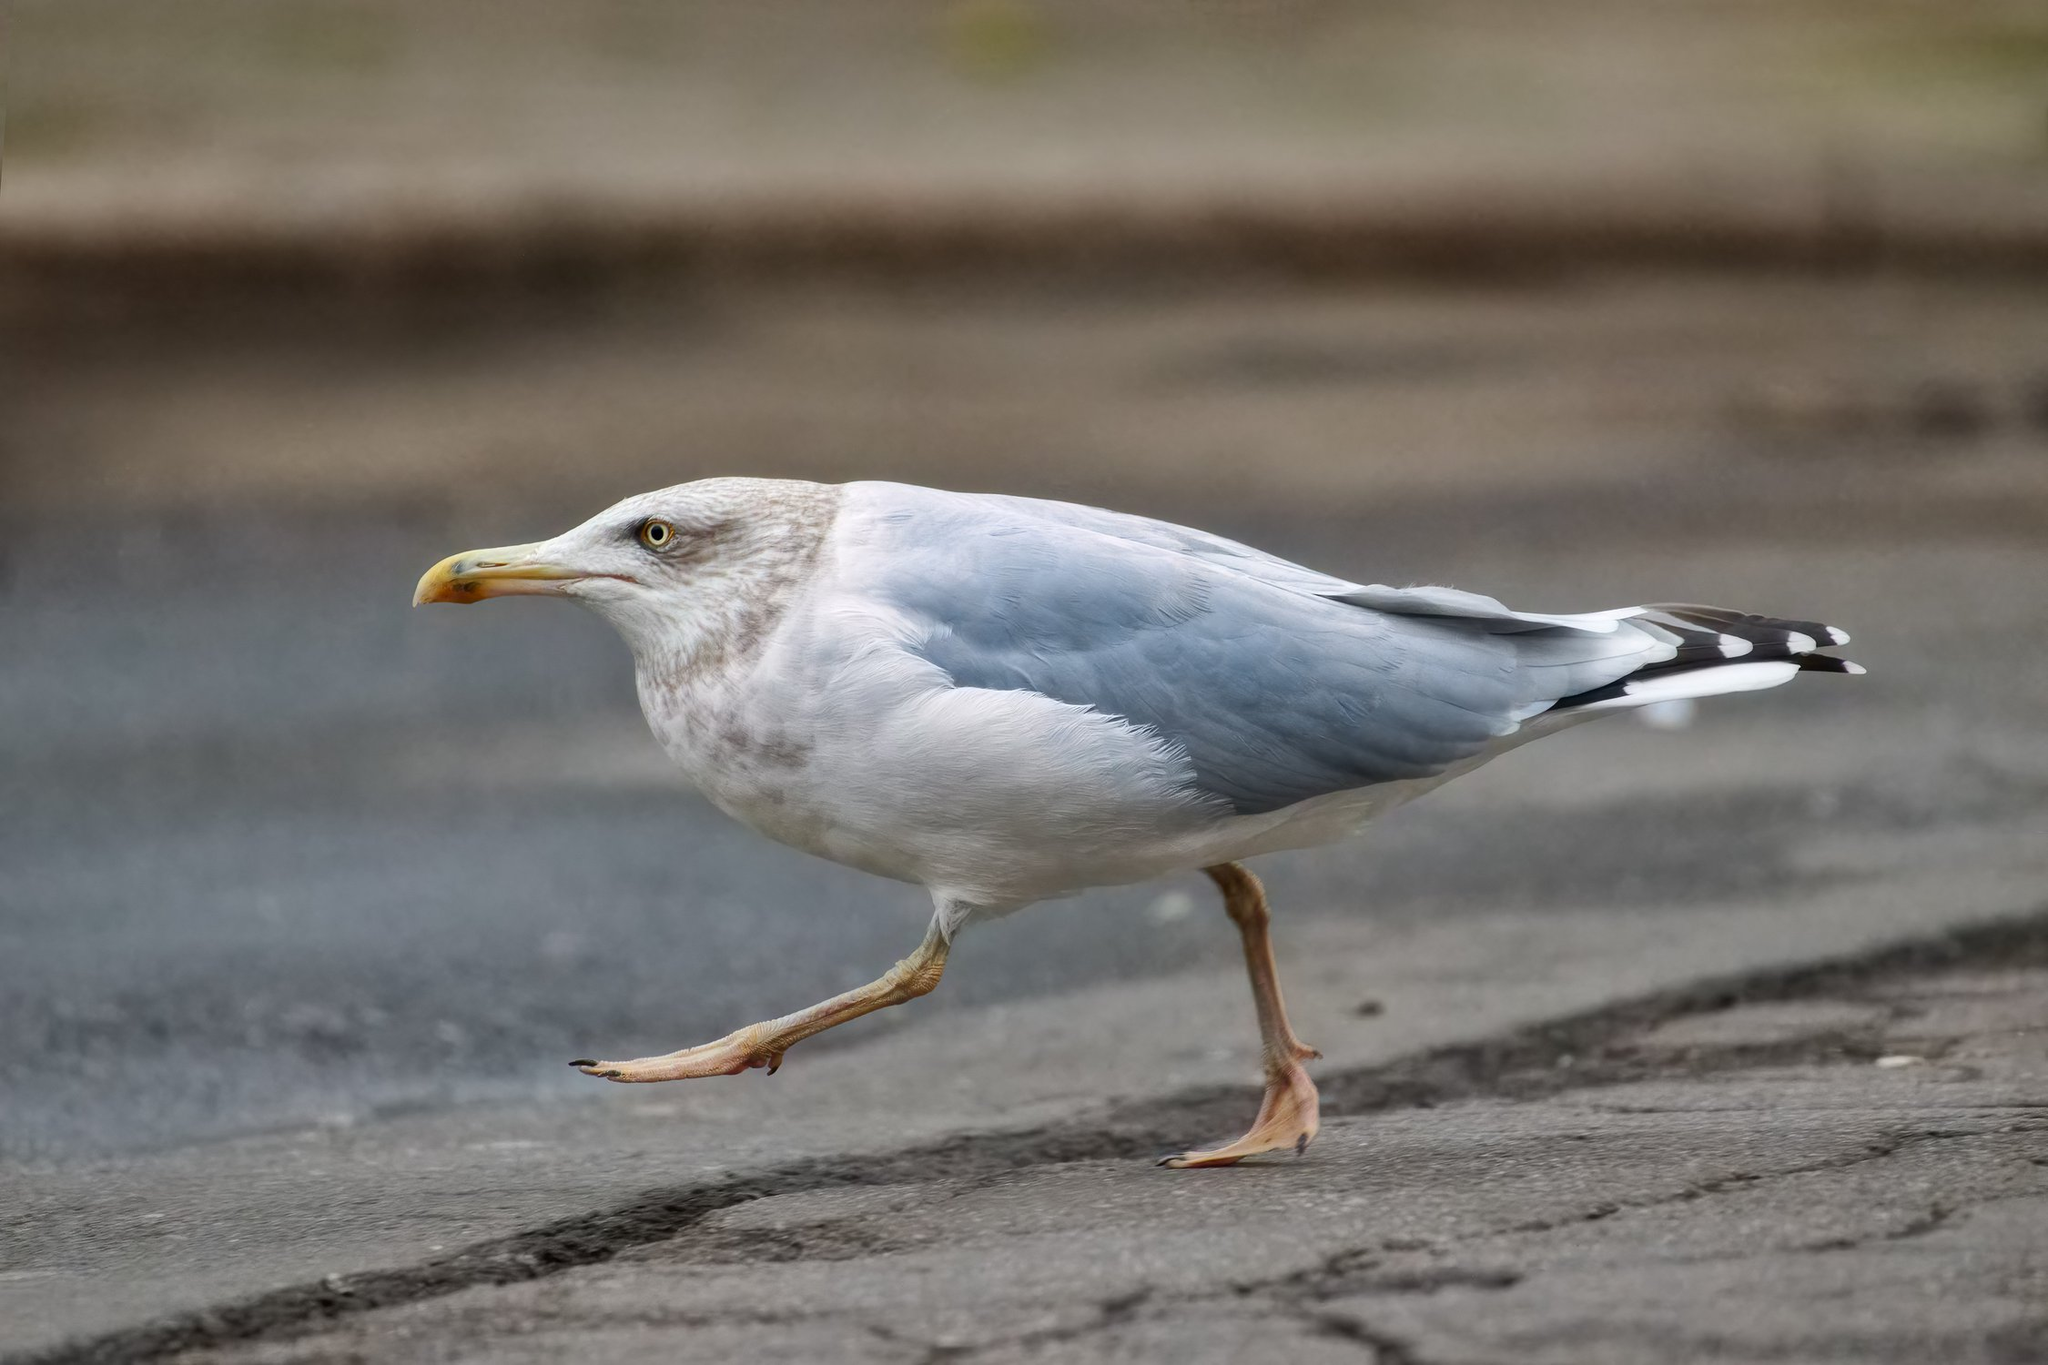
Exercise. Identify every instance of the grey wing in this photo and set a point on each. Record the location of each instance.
(1283, 573)
(1165, 535)
(1275, 695)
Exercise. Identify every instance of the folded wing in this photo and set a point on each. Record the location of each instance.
(1278, 683)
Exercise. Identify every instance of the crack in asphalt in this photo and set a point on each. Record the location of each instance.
(1354, 1272)
(1386, 1349)
(1891, 1145)
(1110, 1313)
(1936, 1217)
(1586, 1050)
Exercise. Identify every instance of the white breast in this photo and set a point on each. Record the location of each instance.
(993, 798)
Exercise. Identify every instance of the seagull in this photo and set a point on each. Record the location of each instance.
(1005, 700)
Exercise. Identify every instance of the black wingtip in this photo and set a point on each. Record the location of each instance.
(584, 1061)
(1828, 663)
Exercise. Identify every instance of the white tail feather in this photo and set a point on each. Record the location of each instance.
(1698, 682)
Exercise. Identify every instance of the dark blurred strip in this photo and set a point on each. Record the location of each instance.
(59, 266)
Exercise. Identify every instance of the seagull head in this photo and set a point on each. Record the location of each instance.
(667, 566)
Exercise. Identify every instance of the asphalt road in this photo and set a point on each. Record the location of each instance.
(1851, 1165)
(306, 897)
(281, 851)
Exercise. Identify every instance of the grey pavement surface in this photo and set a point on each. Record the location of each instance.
(1860, 1172)
(305, 898)
(411, 859)
(278, 851)
(1848, 1162)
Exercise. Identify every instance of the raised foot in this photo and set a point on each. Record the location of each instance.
(730, 1055)
(1288, 1119)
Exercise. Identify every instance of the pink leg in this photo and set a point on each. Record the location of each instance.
(763, 1044)
(1288, 1116)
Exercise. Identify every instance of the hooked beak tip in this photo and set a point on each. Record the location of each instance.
(475, 575)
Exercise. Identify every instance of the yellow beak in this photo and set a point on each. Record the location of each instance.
(473, 575)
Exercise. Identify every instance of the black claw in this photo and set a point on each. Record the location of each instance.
(584, 1061)
(1301, 1144)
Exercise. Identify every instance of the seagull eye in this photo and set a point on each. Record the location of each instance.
(657, 535)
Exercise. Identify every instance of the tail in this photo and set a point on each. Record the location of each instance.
(1713, 651)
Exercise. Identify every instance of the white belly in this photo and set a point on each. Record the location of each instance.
(991, 800)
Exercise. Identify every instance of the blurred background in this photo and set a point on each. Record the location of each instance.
(1575, 302)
